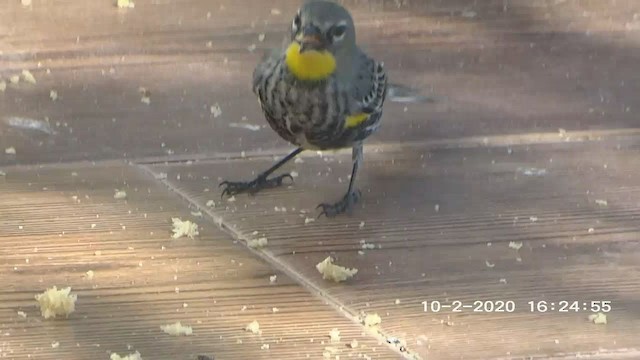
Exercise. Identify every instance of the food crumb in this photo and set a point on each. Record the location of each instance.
(273, 279)
(53, 95)
(10, 151)
(334, 272)
(177, 329)
(353, 344)
(125, 4)
(264, 347)
(14, 79)
(210, 203)
(515, 245)
(275, 310)
(309, 220)
(22, 314)
(361, 225)
(334, 335)
(55, 345)
(54, 302)
(602, 202)
(120, 194)
(3, 85)
(28, 76)
(598, 318)
(397, 302)
(253, 327)
(97, 253)
(258, 243)
(184, 228)
(134, 356)
(89, 275)
(371, 320)
(215, 110)
(489, 264)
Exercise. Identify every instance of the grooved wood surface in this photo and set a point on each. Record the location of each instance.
(573, 209)
(143, 279)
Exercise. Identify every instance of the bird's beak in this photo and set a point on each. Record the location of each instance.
(311, 39)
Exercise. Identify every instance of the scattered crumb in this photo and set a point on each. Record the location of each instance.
(22, 314)
(53, 95)
(275, 11)
(134, 356)
(196, 213)
(469, 14)
(184, 228)
(14, 79)
(10, 151)
(436, 207)
(231, 199)
(264, 347)
(294, 174)
(258, 243)
(334, 272)
(89, 275)
(361, 225)
(177, 329)
(489, 265)
(125, 4)
(601, 202)
(353, 344)
(28, 76)
(273, 279)
(591, 230)
(215, 110)
(397, 302)
(54, 302)
(253, 327)
(309, 220)
(261, 37)
(25, 2)
(160, 176)
(334, 335)
(145, 100)
(3, 85)
(533, 218)
(372, 320)
(210, 203)
(120, 194)
(515, 245)
(598, 318)
(97, 253)
(275, 310)
(503, 281)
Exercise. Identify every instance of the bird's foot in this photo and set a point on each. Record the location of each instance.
(342, 206)
(253, 186)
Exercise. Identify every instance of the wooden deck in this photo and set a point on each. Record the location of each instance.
(518, 183)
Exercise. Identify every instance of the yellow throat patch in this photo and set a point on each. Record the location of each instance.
(309, 65)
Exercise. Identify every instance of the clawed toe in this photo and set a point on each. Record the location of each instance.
(342, 206)
(252, 187)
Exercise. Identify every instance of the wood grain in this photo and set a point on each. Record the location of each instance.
(144, 279)
(573, 247)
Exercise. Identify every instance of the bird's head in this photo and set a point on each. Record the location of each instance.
(322, 37)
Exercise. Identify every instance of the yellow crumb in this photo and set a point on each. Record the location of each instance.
(598, 318)
(334, 272)
(184, 228)
(177, 329)
(3, 85)
(125, 4)
(253, 327)
(120, 194)
(258, 243)
(334, 335)
(372, 320)
(28, 76)
(134, 356)
(54, 302)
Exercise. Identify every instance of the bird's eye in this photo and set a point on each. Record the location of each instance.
(295, 26)
(338, 31)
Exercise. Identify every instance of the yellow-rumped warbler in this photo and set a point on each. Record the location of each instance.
(321, 92)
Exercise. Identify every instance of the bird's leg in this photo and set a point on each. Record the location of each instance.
(261, 181)
(352, 196)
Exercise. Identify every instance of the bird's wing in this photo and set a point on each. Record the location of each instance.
(369, 89)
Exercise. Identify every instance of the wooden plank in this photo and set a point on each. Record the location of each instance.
(548, 199)
(144, 279)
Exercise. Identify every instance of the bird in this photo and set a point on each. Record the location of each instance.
(319, 91)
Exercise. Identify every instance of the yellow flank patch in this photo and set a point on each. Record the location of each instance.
(355, 120)
(309, 65)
